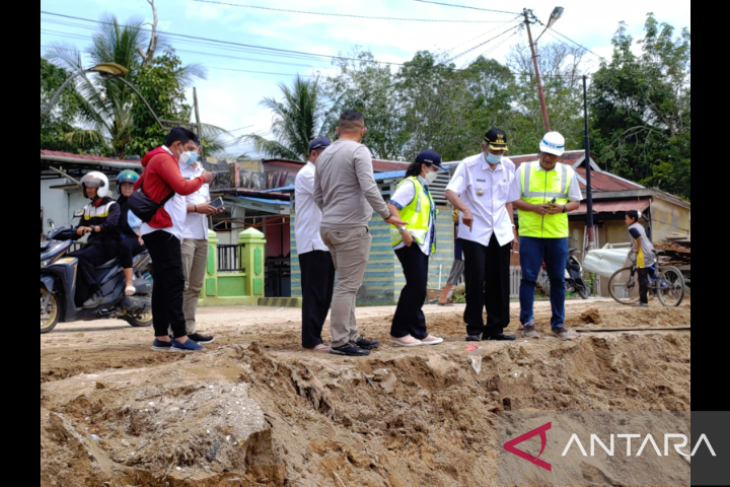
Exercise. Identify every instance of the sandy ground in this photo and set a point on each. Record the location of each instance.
(257, 410)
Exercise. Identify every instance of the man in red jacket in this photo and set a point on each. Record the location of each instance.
(163, 235)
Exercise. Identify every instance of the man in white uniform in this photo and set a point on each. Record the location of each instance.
(481, 190)
(195, 245)
(315, 260)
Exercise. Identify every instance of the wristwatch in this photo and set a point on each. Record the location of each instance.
(565, 208)
(401, 230)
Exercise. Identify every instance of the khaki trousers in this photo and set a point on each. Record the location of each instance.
(195, 259)
(350, 251)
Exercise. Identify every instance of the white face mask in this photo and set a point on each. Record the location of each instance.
(189, 157)
(431, 176)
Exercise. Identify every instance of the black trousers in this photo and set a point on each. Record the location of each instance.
(169, 283)
(89, 258)
(318, 283)
(487, 283)
(643, 285)
(409, 318)
(128, 248)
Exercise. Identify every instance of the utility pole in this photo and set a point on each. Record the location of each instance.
(589, 193)
(197, 119)
(540, 93)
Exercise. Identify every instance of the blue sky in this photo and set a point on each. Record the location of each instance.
(231, 98)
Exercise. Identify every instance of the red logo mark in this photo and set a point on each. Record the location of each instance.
(510, 446)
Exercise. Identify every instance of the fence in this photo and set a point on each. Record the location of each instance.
(229, 258)
(515, 275)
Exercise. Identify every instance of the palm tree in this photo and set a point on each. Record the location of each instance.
(297, 119)
(107, 104)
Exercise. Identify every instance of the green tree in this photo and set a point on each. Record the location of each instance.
(434, 98)
(57, 129)
(111, 107)
(640, 108)
(297, 119)
(369, 88)
(561, 69)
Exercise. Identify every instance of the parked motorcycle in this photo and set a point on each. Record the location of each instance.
(58, 286)
(573, 277)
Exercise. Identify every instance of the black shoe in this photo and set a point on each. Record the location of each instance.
(366, 344)
(93, 301)
(473, 338)
(501, 337)
(350, 349)
(198, 338)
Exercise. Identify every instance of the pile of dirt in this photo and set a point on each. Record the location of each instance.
(264, 413)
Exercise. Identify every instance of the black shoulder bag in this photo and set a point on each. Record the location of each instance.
(144, 207)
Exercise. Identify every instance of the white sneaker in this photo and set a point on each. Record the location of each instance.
(406, 341)
(432, 340)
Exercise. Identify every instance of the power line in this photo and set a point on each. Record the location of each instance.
(472, 8)
(579, 45)
(499, 44)
(482, 34)
(252, 48)
(483, 43)
(259, 72)
(402, 19)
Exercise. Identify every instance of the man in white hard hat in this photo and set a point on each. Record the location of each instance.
(549, 190)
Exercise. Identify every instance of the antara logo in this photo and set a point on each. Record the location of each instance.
(610, 450)
(648, 439)
(540, 430)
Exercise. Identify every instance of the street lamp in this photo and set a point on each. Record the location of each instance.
(554, 16)
(109, 71)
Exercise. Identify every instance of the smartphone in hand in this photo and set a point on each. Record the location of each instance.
(217, 203)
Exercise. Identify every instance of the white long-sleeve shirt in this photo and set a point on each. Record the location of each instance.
(308, 215)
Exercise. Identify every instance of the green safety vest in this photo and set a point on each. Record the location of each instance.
(540, 187)
(417, 214)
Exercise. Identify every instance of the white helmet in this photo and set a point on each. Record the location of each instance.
(95, 179)
(553, 143)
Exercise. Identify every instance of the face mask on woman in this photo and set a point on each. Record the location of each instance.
(431, 176)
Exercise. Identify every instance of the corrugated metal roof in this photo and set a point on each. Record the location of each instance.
(85, 157)
(260, 200)
(613, 206)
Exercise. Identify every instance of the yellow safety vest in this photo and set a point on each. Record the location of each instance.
(418, 214)
(540, 187)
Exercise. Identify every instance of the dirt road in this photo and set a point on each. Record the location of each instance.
(257, 410)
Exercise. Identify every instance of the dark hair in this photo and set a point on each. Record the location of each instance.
(181, 134)
(414, 169)
(633, 214)
(350, 119)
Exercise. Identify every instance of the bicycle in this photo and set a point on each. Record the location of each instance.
(665, 282)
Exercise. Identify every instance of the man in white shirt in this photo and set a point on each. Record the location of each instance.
(315, 260)
(195, 245)
(481, 189)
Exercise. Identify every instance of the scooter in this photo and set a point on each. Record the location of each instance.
(58, 286)
(573, 277)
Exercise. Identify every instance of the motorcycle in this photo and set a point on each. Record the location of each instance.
(58, 286)
(573, 277)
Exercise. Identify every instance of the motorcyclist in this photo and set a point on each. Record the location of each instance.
(99, 221)
(130, 243)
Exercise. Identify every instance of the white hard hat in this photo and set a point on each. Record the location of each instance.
(553, 143)
(95, 179)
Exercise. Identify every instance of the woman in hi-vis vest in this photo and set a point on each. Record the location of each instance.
(413, 244)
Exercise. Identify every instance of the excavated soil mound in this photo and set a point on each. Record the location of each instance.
(257, 411)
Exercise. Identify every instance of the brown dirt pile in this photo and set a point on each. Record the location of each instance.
(268, 414)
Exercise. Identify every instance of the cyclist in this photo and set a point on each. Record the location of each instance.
(644, 250)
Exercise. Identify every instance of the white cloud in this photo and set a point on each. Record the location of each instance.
(231, 99)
